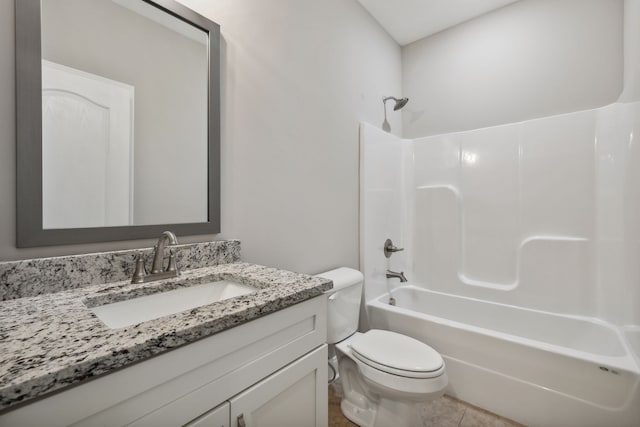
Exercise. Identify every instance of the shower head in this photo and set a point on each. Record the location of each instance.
(401, 102)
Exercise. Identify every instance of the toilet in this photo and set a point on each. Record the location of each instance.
(385, 376)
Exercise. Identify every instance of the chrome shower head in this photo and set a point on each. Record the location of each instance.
(400, 102)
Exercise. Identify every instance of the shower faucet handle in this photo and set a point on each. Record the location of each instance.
(389, 248)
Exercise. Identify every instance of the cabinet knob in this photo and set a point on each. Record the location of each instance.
(241, 422)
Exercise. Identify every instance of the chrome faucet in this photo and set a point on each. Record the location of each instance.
(157, 268)
(394, 275)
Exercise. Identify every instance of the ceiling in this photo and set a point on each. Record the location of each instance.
(410, 20)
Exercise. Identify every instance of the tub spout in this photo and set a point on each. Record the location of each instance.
(394, 275)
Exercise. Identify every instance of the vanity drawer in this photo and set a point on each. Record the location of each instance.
(217, 417)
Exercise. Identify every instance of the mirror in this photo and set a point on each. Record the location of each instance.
(117, 121)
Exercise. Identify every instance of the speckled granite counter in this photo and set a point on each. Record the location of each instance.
(31, 277)
(50, 341)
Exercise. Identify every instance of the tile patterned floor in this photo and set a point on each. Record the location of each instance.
(443, 412)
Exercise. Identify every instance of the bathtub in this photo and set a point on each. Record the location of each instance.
(535, 367)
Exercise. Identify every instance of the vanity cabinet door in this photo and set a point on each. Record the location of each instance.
(217, 417)
(296, 395)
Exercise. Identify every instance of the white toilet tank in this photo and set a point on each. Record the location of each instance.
(343, 305)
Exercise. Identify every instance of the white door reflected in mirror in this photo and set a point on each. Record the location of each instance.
(109, 161)
(89, 119)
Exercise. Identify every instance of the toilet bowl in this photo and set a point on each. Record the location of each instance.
(385, 376)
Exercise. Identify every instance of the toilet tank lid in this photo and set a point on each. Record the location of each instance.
(342, 277)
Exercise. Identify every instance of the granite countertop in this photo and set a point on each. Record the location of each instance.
(51, 341)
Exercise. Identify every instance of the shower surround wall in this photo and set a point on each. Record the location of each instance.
(539, 215)
(521, 212)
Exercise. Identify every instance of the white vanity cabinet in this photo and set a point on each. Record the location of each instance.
(217, 417)
(271, 371)
(294, 396)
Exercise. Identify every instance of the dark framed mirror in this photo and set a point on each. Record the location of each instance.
(118, 121)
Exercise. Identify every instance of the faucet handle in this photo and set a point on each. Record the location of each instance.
(389, 248)
(173, 263)
(141, 269)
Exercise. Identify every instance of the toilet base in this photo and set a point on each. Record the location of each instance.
(370, 404)
(387, 413)
(362, 417)
(398, 414)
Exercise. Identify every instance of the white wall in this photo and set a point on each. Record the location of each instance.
(533, 58)
(298, 77)
(631, 90)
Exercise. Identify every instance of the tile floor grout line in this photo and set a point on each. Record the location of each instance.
(462, 417)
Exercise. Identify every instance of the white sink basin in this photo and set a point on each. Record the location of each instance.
(149, 307)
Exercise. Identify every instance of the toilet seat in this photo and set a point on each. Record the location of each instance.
(397, 354)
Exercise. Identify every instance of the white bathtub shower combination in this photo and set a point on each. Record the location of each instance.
(522, 244)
